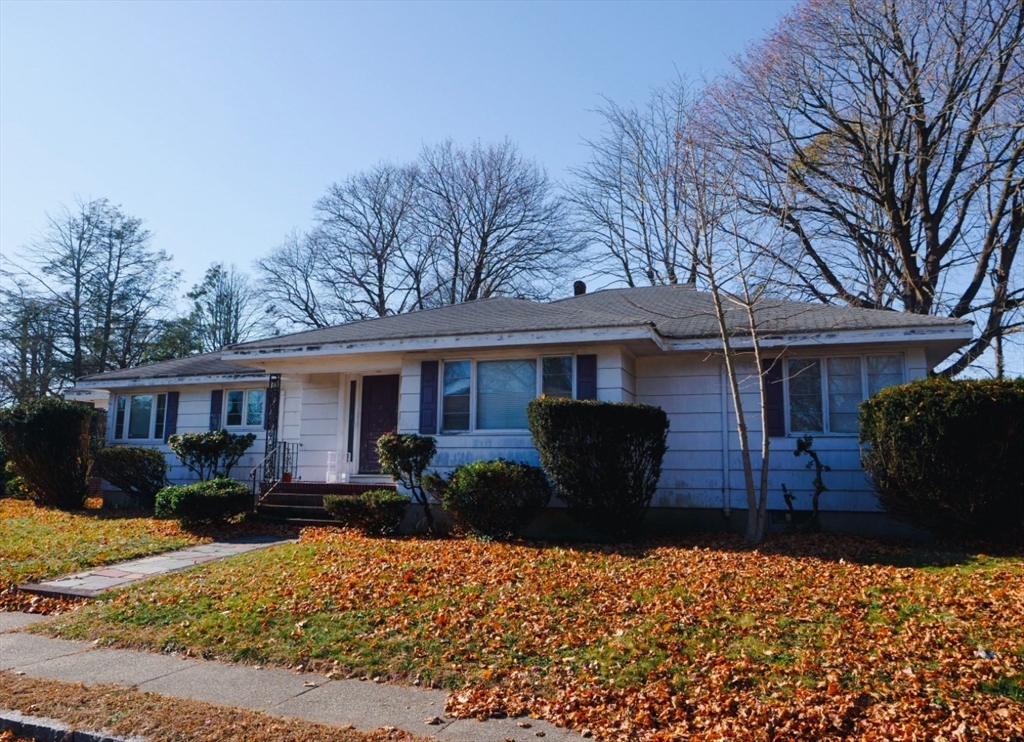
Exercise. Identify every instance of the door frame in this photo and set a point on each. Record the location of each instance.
(360, 412)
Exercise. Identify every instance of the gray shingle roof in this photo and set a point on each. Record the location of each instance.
(682, 312)
(207, 364)
(677, 312)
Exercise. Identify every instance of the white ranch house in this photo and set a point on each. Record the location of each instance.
(465, 373)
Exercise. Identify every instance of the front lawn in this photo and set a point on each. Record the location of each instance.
(38, 543)
(818, 637)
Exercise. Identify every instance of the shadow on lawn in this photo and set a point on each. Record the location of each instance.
(832, 547)
(248, 526)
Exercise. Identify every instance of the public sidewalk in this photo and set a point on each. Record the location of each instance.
(93, 582)
(363, 704)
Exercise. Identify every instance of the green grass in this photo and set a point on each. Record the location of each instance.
(536, 622)
(40, 543)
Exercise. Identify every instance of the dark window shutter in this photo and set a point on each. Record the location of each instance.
(428, 397)
(586, 377)
(776, 400)
(216, 406)
(171, 424)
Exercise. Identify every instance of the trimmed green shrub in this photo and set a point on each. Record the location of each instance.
(211, 455)
(14, 486)
(3, 471)
(204, 502)
(376, 512)
(405, 456)
(496, 499)
(949, 455)
(603, 458)
(48, 441)
(139, 471)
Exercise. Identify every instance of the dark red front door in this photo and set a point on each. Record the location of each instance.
(380, 416)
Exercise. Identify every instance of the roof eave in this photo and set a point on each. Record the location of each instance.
(954, 334)
(450, 342)
(169, 380)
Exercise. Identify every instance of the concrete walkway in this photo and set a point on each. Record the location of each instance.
(99, 580)
(364, 705)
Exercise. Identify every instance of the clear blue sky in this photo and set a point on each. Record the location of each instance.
(220, 123)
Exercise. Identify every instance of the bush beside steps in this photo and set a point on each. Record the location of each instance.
(212, 501)
(376, 512)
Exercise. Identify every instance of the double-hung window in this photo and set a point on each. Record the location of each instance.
(140, 417)
(492, 395)
(244, 408)
(824, 393)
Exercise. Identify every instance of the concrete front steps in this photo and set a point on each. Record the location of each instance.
(302, 503)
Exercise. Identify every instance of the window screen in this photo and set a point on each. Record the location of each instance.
(805, 413)
(557, 376)
(503, 390)
(455, 397)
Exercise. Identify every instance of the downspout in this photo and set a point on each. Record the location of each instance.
(723, 393)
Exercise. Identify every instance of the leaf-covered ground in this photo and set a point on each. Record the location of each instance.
(819, 637)
(38, 543)
(156, 718)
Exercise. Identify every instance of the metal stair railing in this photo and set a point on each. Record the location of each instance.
(268, 475)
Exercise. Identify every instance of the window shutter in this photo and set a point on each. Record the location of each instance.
(171, 422)
(775, 402)
(586, 377)
(216, 405)
(120, 408)
(428, 397)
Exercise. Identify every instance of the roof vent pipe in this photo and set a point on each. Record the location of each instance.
(579, 288)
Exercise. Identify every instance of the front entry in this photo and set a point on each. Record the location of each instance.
(380, 416)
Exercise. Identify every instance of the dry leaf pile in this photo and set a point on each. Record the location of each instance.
(809, 638)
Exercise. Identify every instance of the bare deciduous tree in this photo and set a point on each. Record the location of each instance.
(366, 236)
(885, 136)
(629, 200)
(494, 225)
(295, 278)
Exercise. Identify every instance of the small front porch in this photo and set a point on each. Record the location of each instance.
(277, 496)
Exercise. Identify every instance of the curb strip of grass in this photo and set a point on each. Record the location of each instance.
(52, 730)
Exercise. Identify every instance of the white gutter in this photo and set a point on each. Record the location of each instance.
(832, 337)
(168, 381)
(450, 342)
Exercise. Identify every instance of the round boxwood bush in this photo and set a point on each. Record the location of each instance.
(495, 499)
(204, 502)
(604, 458)
(949, 455)
(376, 512)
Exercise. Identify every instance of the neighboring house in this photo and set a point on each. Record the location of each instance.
(465, 373)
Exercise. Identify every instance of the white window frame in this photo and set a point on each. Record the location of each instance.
(473, 390)
(826, 416)
(245, 409)
(125, 427)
